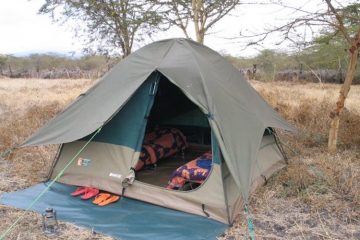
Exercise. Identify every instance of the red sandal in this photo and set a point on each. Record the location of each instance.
(79, 191)
(90, 193)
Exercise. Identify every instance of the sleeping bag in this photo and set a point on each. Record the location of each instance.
(160, 143)
(195, 171)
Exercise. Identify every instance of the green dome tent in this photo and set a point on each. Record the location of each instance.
(180, 83)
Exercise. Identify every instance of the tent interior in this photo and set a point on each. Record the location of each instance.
(172, 109)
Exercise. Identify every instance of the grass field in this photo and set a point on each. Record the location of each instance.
(316, 197)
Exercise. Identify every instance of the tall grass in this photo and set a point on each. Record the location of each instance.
(26, 105)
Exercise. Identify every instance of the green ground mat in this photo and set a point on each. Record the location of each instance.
(127, 219)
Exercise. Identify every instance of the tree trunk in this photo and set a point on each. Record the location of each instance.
(200, 37)
(199, 31)
(335, 115)
(127, 51)
(10, 70)
(195, 9)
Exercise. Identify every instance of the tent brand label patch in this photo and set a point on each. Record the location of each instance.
(84, 162)
(115, 175)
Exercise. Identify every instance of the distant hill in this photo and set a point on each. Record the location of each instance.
(51, 53)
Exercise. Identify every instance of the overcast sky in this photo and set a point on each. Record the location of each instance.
(22, 30)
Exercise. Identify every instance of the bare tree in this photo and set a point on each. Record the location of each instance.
(202, 14)
(337, 19)
(107, 24)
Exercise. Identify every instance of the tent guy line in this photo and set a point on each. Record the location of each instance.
(12, 226)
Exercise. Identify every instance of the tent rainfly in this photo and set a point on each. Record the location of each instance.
(178, 83)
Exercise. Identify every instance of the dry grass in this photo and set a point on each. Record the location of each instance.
(30, 227)
(25, 105)
(20, 94)
(316, 197)
(308, 106)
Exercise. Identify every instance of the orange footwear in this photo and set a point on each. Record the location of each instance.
(113, 198)
(101, 197)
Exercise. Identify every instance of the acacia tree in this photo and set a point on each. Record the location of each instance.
(203, 14)
(348, 24)
(107, 24)
(339, 20)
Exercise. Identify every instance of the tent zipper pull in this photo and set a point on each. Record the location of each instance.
(203, 209)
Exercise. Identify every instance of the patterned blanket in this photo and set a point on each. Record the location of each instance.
(160, 143)
(196, 171)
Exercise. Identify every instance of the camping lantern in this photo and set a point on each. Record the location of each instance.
(50, 223)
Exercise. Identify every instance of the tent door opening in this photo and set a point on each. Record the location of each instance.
(176, 150)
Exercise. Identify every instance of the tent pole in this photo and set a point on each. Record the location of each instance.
(225, 193)
(222, 162)
(55, 160)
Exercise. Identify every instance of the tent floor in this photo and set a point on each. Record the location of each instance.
(126, 219)
(159, 175)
